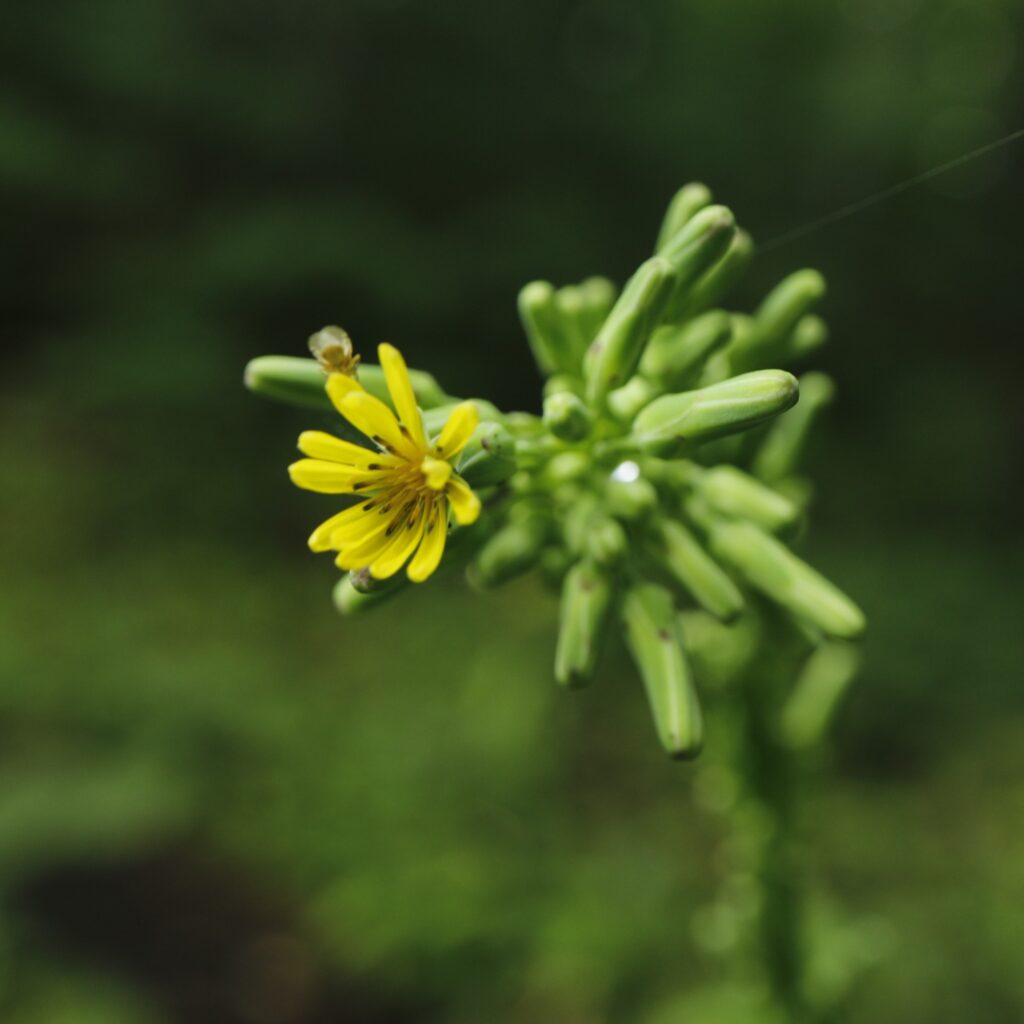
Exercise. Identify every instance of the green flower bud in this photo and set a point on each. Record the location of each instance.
(628, 495)
(515, 548)
(587, 594)
(606, 541)
(654, 637)
(674, 424)
(567, 467)
(780, 452)
(694, 250)
(735, 494)
(676, 355)
(490, 456)
(301, 382)
(810, 333)
(567, 417)
(553, 350)
(627, 401)
(775, 320)
(598, 298)
(773, 569)
(349, 599)
(680, 555)
(709, 289)
(288, 379)
(821, 683)
(562, 382)
(616, 350)
(683, 205)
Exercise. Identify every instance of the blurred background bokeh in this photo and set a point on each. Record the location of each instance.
(219, 802)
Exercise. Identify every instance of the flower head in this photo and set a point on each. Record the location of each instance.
(407, 481)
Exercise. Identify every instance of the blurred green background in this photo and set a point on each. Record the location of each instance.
(221, 803)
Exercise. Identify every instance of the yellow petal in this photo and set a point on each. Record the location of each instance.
(436, 472)
(320, 538)
(428, 557)
(330, 478)
(465, 504)
(457, 431)
(318, 445)
(404, 542)
(373, 418)
(400, 387)
(357, 552)
(338, 386)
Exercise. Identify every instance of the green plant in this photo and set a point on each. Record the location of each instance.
(658, 489)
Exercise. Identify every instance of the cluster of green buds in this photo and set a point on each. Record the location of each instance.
(662, 473)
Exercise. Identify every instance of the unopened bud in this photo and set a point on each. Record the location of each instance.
(782, 449)
(515, 548)
(616, 350)
(694, 250)
(629, 497)
(684, 204)
(653, 635)
(353, 595)
(288, 379)
(735, 494)
(674, 424)
(822, 681)
(567, 417)
(490, 456)
(714, 284)
(676, 355)
(775, 319)
(627, 401)
(586, 601)
(772, 568)
(695, 571)
(541, 320)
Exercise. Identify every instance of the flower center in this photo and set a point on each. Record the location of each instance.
(436, 472)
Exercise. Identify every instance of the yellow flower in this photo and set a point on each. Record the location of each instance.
(407, 483)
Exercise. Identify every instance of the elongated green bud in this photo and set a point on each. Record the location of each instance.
(490, 456)
(563, 382)
(288, 379)
(598, 298)
(684, 204)
(349, 599)
(627, 401)
(301, 382)
(628, 495)
(782, 449)
(695, 250)
(735, 494)
(571, 307)
(587, 594)
(714, 284)
(676, 355)
(606, 541)
(515, 548)
(810, 333)
(680, 554)
(772, 568)
(821, 683)
(674, 424)
(775, 320)
(567, 417)
(542, 323)
(616, 350)
(653, 635)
